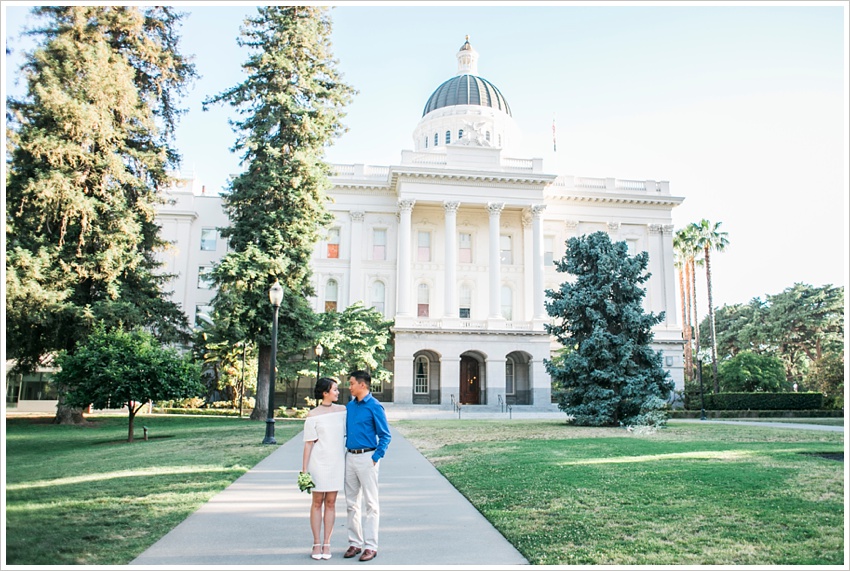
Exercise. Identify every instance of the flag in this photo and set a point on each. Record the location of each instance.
(554, 140)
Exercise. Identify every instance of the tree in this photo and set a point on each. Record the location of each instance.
(751, 372)
(681, 249)
(291, 106)
(613, 376)
(689, 255)
(709, 237)
(229, 366)
(827, 376)
(88, 153)
(126, 367)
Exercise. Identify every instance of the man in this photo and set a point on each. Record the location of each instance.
(366, 441)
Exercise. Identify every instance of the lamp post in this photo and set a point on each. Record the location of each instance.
(242, 380)
(701, 397)
(276, 297)
(319, 351)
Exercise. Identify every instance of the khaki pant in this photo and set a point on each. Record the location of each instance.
(361, 499)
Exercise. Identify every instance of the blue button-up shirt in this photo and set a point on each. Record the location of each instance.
(366, 426)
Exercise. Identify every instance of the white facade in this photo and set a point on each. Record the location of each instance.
(455, 245)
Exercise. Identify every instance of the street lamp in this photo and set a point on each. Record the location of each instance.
(319, 351)
(276, 297)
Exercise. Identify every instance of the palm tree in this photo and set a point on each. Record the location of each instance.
(681, 263)
(685, 242)
(709, 237)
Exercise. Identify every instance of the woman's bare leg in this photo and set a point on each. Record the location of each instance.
(330, 517)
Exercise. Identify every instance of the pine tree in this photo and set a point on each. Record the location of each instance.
(89, 152)
(291, 107)
(609, 374)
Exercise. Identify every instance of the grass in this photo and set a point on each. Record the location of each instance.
(690, 494)
(694, 493)
(82, 495)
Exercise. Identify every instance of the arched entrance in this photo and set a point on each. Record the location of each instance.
(470, 380)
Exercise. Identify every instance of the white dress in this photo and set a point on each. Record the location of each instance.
(327, 459)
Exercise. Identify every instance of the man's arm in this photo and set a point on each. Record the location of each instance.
(382, 430)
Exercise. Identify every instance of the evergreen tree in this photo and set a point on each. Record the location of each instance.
(612, 376)
(291, 107)
(88, 153)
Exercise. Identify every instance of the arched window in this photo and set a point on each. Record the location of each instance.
(448, 137)
(507, 303)
(459, 134)
(436, 139)
(510, 384)
(331, 292)
(420, 375)
(465, 302)
(378, 296)
(487, 136)
(422, 300)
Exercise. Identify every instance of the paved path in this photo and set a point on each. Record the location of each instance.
(262, 519)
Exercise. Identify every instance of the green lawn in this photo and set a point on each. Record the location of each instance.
(690, 494)
(84, 496)
(694, 493)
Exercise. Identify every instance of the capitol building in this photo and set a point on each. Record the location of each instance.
(455, 245)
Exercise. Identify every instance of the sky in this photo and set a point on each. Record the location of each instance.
(742, 107)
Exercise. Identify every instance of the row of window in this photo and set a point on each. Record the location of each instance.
(448, 138)
(422, 366)
(424, 250)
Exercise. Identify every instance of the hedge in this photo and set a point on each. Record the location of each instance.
(762, 401)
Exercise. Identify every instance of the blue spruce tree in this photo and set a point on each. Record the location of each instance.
(608, 375)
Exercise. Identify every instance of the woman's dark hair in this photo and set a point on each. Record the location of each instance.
(323, 385)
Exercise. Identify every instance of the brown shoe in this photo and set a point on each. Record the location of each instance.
(352, 551)
(368, 555)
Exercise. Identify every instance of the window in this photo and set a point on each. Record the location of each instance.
(507, 303)
(426, 142)
(208, 238)
(510, 385)
(420, 383)
(423, 252)
(505, 249)
(464, 302)
(448, 137)
(333, 243)
(487, 136)
(202, 315)
(500, 140)
(204, 277)
(422, 300)
(465, 248)
(548, 250)
(436, 139)
(378, 296)
(331, 292)
(632, 244)
(459, 134)
(379, 244)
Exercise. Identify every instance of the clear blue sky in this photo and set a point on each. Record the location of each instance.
(742, 108)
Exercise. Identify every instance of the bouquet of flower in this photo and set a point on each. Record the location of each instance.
(305, 482)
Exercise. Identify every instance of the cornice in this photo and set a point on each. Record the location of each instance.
(470, 178)
(615, 198)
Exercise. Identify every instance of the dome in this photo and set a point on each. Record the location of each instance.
(467, 89)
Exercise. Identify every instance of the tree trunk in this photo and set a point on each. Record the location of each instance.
(685, 326)
(694, 305)
(711, 321)
(66, 414)
(261, 399)
(132, 418)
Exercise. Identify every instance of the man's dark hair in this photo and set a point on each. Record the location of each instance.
(363, 377)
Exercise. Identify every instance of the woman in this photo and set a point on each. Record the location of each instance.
(324, 459)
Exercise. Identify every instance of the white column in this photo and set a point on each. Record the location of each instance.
(450, 294)
(405, 207)
(355, 247)
(449, 379)
(537, 229)
(669, 273)
(403, 379)
(495, 210)
(527, 296)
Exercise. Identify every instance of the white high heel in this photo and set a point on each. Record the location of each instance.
(316, 556)
(326, 555)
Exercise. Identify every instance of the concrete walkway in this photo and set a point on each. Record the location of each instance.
(262, 519)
